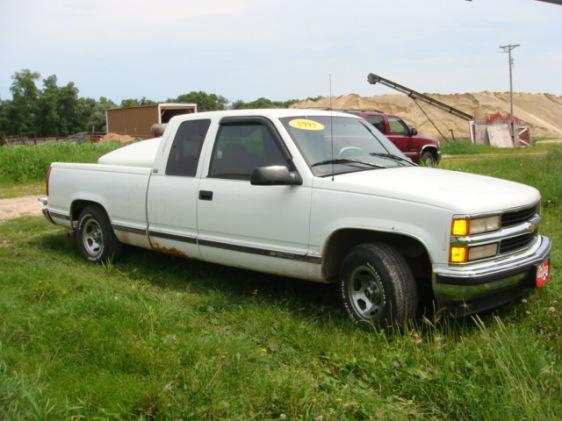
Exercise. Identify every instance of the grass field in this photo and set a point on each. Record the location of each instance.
(152, 336)
(465, 148)
(23, 168)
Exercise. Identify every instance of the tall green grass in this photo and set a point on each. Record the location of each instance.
(156, 337)
(467, 148)
(23, 164)
(543, 172)
(456, 148)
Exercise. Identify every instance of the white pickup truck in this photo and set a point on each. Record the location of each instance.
(315, 195)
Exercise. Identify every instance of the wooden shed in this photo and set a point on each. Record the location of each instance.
(137, 121)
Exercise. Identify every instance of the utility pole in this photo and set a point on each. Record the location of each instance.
(507, 49)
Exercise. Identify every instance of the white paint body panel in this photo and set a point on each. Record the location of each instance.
(138, 154)
(298, 220)
(172, 209)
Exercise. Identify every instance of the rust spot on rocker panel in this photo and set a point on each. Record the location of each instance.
(168, 250)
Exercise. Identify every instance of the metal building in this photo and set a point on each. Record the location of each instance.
(137, 121)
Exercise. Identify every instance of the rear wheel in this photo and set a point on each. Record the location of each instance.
(377, 286)
(95, 238)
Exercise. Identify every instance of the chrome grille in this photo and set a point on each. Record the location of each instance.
(518, 216)
(515, 243)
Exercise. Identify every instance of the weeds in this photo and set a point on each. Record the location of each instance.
(24, 164)
(157, 337)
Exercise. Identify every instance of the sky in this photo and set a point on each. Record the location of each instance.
(245, 49)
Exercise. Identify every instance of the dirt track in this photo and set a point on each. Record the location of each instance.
(19, 206)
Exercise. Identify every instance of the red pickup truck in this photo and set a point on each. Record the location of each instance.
(418, 148)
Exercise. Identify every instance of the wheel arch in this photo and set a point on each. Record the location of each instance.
(78, 205)
(430, 148)
(341, 241)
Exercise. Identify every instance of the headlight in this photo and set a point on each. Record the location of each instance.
(481, 252)
(480, 225)
(466, 226)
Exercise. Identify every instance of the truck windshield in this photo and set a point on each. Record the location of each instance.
(357, 145)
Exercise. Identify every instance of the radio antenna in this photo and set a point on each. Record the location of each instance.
(331, 123)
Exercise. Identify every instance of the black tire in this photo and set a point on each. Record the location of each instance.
(390, 294)
(95, 238)
(428, 159)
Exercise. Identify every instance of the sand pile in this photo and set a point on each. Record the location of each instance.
(114, 137)
(542, 112)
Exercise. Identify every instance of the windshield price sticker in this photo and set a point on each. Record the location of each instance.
(305, 124)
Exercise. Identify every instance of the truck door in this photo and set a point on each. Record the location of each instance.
(399, 134)
(172, 194)
(250, 226)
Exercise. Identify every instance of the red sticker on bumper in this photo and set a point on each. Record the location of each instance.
(543, 273)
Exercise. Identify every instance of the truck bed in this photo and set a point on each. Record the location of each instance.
(120, 189)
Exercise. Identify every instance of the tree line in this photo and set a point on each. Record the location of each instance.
(45, 108)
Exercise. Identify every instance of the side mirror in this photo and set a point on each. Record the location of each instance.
(275, 175)
(413, 131)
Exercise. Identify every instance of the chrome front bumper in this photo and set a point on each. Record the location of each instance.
(492, 283)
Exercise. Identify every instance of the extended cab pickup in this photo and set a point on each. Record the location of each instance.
(314, 195)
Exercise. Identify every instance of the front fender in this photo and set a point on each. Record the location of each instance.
(335, 210)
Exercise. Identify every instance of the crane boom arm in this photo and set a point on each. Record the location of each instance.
(373, 79)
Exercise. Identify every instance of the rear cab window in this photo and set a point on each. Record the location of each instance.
(186, 148)
(377, 121)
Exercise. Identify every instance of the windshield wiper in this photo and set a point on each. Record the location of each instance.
(391, 156)
(346, 161)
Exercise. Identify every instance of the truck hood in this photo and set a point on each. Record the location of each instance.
(458, 191)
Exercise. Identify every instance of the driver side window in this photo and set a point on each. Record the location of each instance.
(397, 126)
(242, 147)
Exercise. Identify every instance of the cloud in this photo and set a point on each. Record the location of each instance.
(69, 23)
(250, 48)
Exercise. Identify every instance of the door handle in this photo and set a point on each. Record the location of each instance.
(205, 195)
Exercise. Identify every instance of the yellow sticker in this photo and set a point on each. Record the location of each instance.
(305, 124)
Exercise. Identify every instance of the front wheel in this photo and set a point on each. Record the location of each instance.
(95, 238)
(377, 286)
(428, 159)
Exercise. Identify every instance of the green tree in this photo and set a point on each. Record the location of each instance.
(71, 120)
(204, 101)
(262, 103)
(145, 101)
(4, 125)
(96, 112)
(130, 102)
(48, 118)
(133, 102)
(22, 110)
(58, 110)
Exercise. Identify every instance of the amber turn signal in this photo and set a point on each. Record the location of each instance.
(459, 254)
(459, 227)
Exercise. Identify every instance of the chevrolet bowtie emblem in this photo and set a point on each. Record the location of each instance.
(532, 227)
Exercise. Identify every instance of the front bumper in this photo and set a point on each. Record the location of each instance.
(481, 287)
